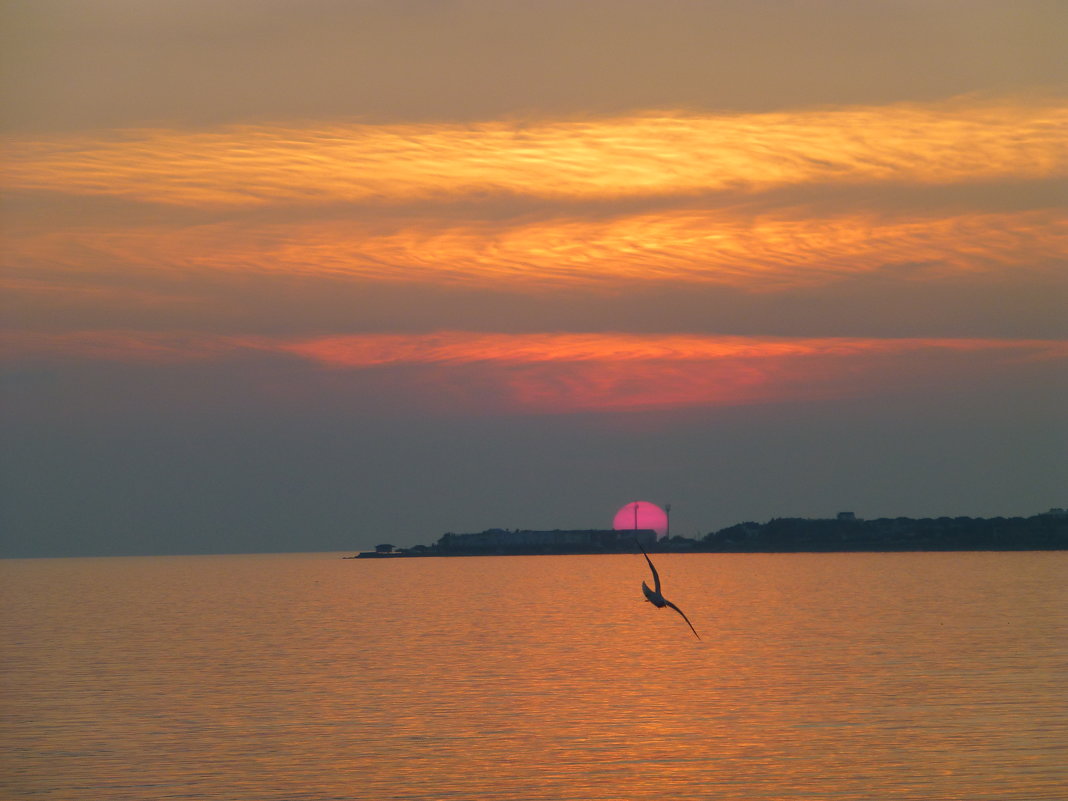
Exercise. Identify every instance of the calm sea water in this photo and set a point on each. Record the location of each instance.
(841, 676)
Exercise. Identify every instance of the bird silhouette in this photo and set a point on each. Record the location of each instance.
(656, 598)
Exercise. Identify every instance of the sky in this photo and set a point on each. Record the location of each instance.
(319, 275)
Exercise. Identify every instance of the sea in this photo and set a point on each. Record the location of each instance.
(310, 677)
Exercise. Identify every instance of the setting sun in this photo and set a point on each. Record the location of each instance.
(641, 515)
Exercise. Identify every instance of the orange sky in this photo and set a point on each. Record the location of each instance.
(559, 373)
(758, 252)
(755, 202)
(651, 154)
(523, 209)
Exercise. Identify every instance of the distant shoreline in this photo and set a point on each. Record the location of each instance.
(962, 549)
(843, 534)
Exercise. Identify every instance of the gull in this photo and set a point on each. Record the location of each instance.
(656, 598)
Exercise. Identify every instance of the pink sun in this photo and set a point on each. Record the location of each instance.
(645, 514)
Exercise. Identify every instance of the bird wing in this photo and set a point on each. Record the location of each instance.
(688, 623)
(656, 576)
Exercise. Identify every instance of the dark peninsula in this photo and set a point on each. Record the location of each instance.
(844, 533)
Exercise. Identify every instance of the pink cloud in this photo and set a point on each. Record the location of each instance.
(575, 372)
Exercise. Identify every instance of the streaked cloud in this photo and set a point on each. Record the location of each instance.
(463, 347)
(625, 203)
(573, 372)
(131, 347)
(653, 154)
(761, 252)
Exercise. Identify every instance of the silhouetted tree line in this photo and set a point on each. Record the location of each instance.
(1040, 532)
(1044, 532)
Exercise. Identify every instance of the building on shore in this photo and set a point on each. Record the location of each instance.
(846, 532)
(499, 540)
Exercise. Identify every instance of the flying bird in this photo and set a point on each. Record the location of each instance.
(656, 598)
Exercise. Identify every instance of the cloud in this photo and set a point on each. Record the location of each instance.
(575, 372)
(603, 208)
(644, 155)
(752, 251)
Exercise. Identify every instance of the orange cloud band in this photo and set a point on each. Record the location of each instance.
(638, 156)
(761, 252)
(571, 372)
(458, 347)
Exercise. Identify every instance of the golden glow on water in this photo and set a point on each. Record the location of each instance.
(934, 676)
(659, 153)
